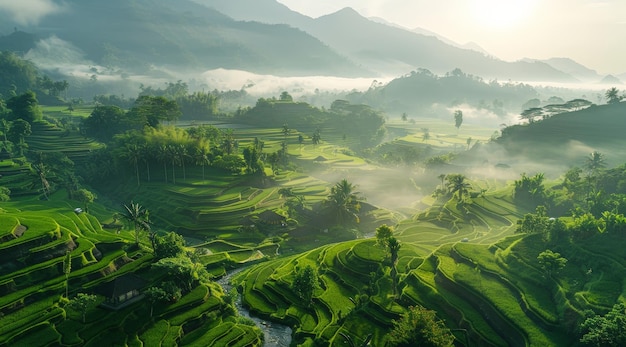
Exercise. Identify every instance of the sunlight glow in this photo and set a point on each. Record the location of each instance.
(500, 14)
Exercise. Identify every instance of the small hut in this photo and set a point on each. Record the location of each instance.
(271, 217)
(122, 291)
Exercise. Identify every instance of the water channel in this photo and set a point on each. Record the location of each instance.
(276, 335)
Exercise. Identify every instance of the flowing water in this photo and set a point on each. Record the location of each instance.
(276, 335)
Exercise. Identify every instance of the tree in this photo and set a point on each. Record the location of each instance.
(86, 197)
(531, 113)
(551, 262)
(132, 154)
(284, 96)
(139, 217)
(457, 185)
(404, 117)
(425, 134)
(106, 121)
(187, 274)
(82, 303)
(169, 246)
(154, 295)
(24, 106)
(305, 283)
(252, 158)
(201, 156)
(5, 194)
(595, 162)
(344, 201)
(607, 330)
(530, 188)
(612, 96)
(152, 110)
(394, 249)
(67, 268)
(317, 136)
(42, 171)
(458, 118)
(383, 233)
(18, 131)
(420, 327)
(163, 156)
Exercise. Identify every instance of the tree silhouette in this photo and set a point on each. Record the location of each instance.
(394, 248)
(457, 185)
(132, 154)
(458, 119)
(595, 162)
(139, 217)
(612, 96)
(344, 202)
(82, 303)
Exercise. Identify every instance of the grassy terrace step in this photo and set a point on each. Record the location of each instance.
(507, 303)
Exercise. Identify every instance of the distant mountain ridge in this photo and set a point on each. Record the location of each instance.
(266, 37)
(182, 34)
(387, 49)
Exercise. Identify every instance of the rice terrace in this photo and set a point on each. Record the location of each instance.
(237, 173)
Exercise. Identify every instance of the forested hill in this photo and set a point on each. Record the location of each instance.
(186, 35)
(570, 134)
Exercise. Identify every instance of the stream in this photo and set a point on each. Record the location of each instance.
(276, 334)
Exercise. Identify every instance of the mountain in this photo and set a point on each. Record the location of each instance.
(263, 11)
(610, 79)
(374, 44)
(573, 68)
(388, 49)
(184, 35)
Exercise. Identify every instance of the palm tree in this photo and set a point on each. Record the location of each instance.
(146, 152)
(173, 156)
(394, 248)
(595, 162)
(43, 171)
(344, 201)
(139, 217)
(457, 185)
(163, 156)
(612, 96)
(228, 144)
(202, 157)
(442, 177)
(132, 153)
(183, 154)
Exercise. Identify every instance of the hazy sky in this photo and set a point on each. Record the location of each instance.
(592, 32)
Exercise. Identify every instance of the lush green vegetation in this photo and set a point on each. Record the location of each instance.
(96, 197)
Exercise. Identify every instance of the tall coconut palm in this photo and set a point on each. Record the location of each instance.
(394, 249)
(42, 172)
(344, 202)
(458, 186)
(183, 154)
(146, 155)
(139, 217)
(173, 155)
(132, 154)
(595, 162)
(201, 157)
(163, 156)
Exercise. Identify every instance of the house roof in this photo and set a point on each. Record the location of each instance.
(121, 285)
(271, 216)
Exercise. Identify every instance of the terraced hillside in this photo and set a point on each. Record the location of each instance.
(34, 241)
(490, 295)
(47, 138)
(489, 286)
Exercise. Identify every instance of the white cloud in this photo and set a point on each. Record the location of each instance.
(26, 12)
